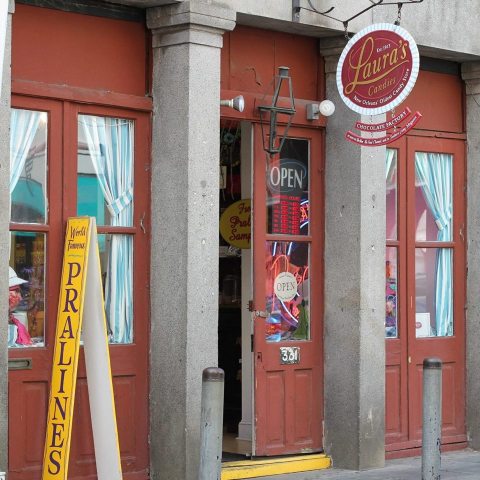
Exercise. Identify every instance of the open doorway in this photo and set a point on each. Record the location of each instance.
(234, 319)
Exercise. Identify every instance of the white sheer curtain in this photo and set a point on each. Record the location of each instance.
(23, 127)
(434, 170)
(110, 145)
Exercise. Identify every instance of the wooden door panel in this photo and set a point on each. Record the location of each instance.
(288, 397)
(275, 409)
(303, 410)
(405, 355)
(393, 421)
(27, 414)
(125, 390)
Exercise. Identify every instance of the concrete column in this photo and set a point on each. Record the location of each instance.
(471, 75)
(354, 287)
(5, 239)
(187, 38)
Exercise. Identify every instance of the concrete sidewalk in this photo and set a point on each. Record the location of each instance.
(463, 465)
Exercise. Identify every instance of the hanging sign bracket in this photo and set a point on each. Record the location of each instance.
(296, 8)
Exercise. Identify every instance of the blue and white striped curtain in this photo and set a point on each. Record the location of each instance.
(434, 171)
(390, 167)
(23, 127)
(110, 145)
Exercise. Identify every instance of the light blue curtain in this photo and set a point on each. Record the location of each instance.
(390, 166)
(434, 171)
(23, 127)
(110, 145)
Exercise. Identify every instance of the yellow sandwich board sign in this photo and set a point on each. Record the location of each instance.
(81, 312)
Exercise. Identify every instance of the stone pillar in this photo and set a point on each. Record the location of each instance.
(5, 238)
(187, 38)
(354, 286)
(471, 75)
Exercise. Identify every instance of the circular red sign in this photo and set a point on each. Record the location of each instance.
(377, 69)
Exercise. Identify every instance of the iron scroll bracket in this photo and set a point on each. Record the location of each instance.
(296, 8)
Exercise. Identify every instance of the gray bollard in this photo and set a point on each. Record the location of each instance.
(211, 428)
(432, 418)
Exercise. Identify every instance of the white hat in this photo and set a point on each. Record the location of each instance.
(13, 280)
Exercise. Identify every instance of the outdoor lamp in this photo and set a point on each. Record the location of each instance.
(237, 103)
(325, 108)
(269, 114)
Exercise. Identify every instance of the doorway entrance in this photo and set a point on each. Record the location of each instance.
(425, 285)
(278, 338)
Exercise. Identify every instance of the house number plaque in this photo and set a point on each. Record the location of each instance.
(289, 355)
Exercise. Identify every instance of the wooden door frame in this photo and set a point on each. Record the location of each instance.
(62, 165)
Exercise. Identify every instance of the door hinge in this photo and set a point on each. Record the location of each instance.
(251, 308)
(251, 342)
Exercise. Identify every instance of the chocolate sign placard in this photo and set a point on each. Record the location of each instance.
(377, 69)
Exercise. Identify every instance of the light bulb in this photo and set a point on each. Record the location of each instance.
(327, 107)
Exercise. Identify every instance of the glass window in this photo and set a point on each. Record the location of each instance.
(391, 295)
(288, 189)
(433, 196)
(28, 166)
(26, 289)
(105, 169)
(117, 278)
(287, 291)
(105, 191)
(433, 292)
(391, 192)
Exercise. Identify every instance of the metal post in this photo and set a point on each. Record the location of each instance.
(432, 418)
(212, 424)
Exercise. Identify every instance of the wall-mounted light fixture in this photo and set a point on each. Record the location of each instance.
(237, 103)
(325, 108)
(272, 142)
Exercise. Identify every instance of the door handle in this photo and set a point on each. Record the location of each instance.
(261, 313)
(20, 364)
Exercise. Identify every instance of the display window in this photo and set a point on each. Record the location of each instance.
(391, 280)
(29, 208)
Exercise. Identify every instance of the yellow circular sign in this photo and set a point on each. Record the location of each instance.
(235, 224)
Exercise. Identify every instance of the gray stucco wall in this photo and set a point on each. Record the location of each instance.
(354, 290)
(4, 243)
(184, 257)
(471, 74)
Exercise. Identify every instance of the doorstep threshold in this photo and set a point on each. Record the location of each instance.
(277, 466)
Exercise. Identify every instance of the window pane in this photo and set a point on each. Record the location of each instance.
(391, 190)
(433, 196)
(27, 290)
(28, 166)
(105, 169)
(288, 189)
(116, 259)
(391, 296)
(287, 291)
(433, 292)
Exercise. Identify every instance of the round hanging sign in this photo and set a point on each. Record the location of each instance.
(285, 286)
(377, 69)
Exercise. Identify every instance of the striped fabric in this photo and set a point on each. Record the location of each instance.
(110, 145)
(434, 173)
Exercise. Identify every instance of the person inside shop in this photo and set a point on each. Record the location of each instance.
(15, 297)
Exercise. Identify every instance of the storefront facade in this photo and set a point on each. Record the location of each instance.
(113, 111)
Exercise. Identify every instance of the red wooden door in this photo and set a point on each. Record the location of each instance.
(429, 254)
(288, 294)
(67, 189)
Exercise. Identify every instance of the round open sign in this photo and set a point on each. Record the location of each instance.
(377, 69)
